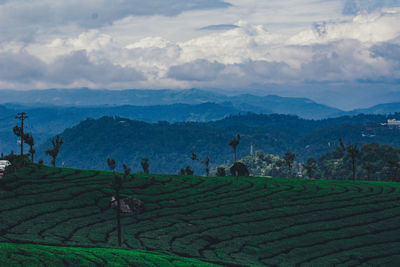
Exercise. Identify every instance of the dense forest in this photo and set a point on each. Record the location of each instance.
(169, 146)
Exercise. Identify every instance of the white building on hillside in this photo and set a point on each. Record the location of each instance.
(393, 123)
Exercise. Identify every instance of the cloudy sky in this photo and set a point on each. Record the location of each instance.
(345, 53)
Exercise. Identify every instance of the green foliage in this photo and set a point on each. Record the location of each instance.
(247, 221)
(221, 172)
(28, 138)
(167, 145)
(289, 160)
(234, 143)
(40, 255)
(239, 169)
(145, 165)
(262, 164)
(53, 152)
(371, 162)
(310, 167)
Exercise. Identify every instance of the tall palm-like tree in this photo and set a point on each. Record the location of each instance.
(310, 167)
(206, 162)
(234, 143)
(53, 152)
(368, 168)
(289, 159)
(352, 151)
(145, 165)
(31, 142)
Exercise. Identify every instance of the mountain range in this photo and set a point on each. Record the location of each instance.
(52, 111)
(266, 104)
(302, 107)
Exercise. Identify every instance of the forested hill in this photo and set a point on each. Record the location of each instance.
(43, 122)
(169, 146)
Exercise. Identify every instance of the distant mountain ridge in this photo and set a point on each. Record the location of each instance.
(301, 107)
(387, 108)
(268, 104)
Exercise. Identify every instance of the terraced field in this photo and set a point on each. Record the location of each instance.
(243, 221)
(39, 255)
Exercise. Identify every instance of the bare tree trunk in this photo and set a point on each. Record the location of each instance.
(119, 218)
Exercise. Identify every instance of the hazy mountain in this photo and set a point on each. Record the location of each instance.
(302, 107)
(388, 108)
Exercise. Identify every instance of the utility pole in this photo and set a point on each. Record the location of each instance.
(22, 116)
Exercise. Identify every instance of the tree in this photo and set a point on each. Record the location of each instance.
(234, 143)
(221, 172)
(31, 142)
(239, 169)
(206, 162)
(194, 156)
(394, 167)
(289, 159)
(368, 168)
(189, 171)
(55, 150)
(117, 186)
(145, 165)
(310, 167)
(352, 151)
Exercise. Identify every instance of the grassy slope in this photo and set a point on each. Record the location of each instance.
(39, 255)
(247, 221)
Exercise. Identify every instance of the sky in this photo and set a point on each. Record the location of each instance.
(344, 53)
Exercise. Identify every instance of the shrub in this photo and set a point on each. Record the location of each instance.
(221, 172)
(239, 169)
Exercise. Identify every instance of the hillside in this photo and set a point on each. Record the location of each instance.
(169, 146)
(39, 255)
(43, 122)
(247, 221)
(387, 108)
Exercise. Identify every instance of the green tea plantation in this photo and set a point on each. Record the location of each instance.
(53, 216)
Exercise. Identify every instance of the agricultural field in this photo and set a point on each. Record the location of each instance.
(226, 221)
(39, 255)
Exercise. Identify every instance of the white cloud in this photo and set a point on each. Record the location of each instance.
(280, 42)
(365, 27)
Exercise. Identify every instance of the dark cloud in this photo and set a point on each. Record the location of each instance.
(77, 66)
(23, 18)
(387, 51)
(199, 70)
(23, 68)
(204, 73)
(220, 27)
(20, 67)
